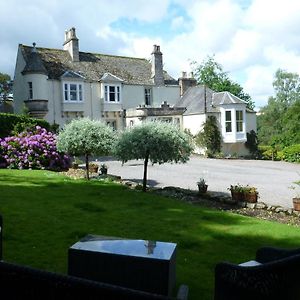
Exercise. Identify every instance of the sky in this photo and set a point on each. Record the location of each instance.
(251, 39)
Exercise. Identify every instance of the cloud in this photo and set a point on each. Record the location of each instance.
(251, 38)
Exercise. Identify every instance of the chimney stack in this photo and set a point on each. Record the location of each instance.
(186, 82)
(71, 44)
(157, 72)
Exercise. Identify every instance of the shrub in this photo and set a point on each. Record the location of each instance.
(252, 143)
(32, 150)
(292, 153)
(14, 124)
(270, 153)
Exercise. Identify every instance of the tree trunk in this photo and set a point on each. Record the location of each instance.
(87, 166)
(145, 172)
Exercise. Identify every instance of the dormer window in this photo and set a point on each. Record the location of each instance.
(73, 92)
(112, 93)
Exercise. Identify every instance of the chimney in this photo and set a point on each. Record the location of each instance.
(157, 72)
(186, 82)
(72, 44)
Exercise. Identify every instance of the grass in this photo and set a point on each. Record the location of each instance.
(45, 213)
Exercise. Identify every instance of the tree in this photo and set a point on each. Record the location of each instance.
(5, 85)
(279, 119)
(153, 141)
(210, 136)
(211, 73)
(86, 137)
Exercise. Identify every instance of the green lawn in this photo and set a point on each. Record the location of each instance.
(45, 213)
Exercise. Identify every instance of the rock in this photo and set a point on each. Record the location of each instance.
(289, 211)
(279, 209)
(251, 205)
(261, 205)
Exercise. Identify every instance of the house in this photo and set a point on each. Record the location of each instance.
(62, 84)
(195, 104)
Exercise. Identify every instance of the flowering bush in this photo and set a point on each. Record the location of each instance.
(32, 150)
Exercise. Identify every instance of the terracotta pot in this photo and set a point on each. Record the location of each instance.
(250, 197)
(237, 196)
(296, 203)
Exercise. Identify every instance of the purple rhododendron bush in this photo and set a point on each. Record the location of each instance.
(32, 150)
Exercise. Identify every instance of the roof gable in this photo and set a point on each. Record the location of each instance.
(107, 77)
(71, 74)
(223, 98)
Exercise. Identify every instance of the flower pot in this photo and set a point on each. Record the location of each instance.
(93, 169)
(296, 203)
(237, 196)
(202, 188)
(250, 197)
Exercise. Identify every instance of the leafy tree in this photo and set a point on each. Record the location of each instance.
(210, 136)
(252, 143)
(278, 122)
(5, 85)
(211, 73)
(153, 141)
(86, 137)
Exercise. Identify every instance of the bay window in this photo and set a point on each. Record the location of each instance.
(228, 123)
(239, 121)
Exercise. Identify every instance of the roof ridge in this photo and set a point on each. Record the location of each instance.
(94, 53)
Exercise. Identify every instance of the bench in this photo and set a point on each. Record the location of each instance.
(274, 274)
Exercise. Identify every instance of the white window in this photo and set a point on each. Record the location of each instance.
(239, 121)
(228, 123)
(112, 93)
(112, 124)
(30, 91)
(148, 96)
(73, 92)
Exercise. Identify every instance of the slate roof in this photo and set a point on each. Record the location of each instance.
(196, 103)
(92, 66)
(226, 98)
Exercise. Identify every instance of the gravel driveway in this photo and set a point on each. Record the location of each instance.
(272, 179)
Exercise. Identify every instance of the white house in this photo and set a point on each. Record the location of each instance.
(62, 84)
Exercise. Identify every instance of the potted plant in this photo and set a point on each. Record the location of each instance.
(93, 167)
(237, 193)
(103, 169)
(202, 186)
(250, 194)
(296, 199)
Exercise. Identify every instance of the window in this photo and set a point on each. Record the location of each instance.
(112, 124)
(112, 93)
(73, 92)
(148, 96)
(239, 121)
(228, 126)
(30, 90)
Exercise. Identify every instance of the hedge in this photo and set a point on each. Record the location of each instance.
(11, 124)
(292, 153)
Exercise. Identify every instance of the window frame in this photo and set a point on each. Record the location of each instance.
(108, 93)
(30, 90)
(148, 96)
(239, 122)
(228, 121)
(68, 92)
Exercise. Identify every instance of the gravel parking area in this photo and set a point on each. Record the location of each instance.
(272, 179)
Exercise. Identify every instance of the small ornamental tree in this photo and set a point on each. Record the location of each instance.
(153, 141)
(210, 136)
(86, 137)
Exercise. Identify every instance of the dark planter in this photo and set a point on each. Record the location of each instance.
(202, 189)
(103, 171)
(237, 196)
(296, 203)
(75, 166)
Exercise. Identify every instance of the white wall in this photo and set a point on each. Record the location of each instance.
(251, 122)
(194, 123)
(169, 94)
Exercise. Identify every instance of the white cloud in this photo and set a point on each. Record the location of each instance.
(250, 41)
